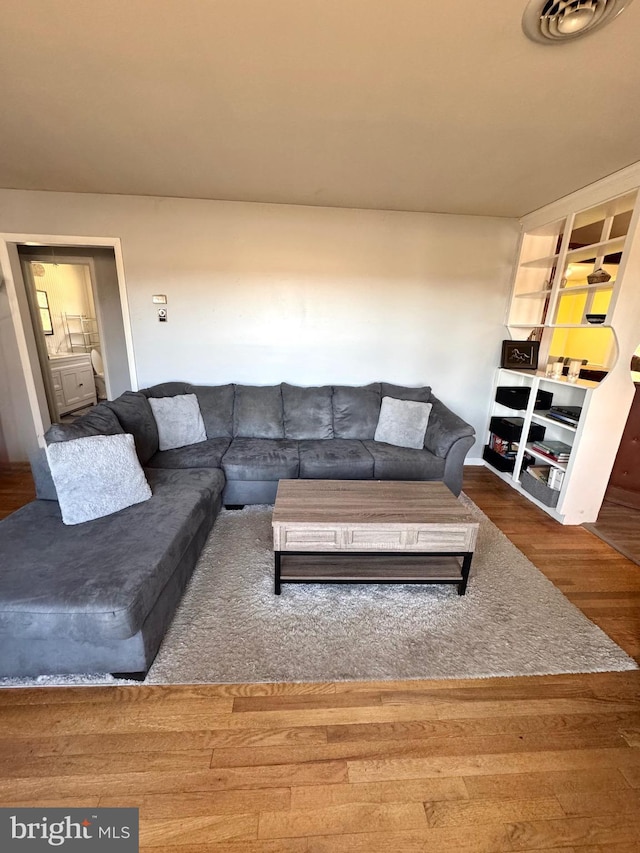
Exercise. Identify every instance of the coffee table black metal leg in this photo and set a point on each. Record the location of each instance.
(466, 566)
(277, 573)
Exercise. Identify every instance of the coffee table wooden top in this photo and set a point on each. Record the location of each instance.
(366, 501)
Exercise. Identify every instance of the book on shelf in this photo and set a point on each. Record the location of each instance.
(502, 446)
(539, 472)
(552, 477)
(556, 450)
(555, 479)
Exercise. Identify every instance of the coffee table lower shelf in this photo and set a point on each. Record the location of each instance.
(372, 567)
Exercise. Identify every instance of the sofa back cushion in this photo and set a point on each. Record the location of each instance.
(166, 389)
(216, 407)
(356, 410)
(99, 420)
(257, 412)
(307, 412)
(134, 413)
(403, 392)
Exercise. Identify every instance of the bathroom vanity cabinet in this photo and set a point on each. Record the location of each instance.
(73, 385)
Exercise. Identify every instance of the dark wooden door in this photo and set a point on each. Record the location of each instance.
(624, 483)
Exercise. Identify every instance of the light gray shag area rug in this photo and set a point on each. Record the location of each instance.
(230, 627)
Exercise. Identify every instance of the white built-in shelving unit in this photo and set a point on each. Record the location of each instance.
(550, 300)
(563, 393)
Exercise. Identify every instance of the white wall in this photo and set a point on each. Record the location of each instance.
(265, 293)
(68, 288)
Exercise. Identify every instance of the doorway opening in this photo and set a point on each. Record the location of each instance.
(618, 522)
(73, 295)
(63, 312)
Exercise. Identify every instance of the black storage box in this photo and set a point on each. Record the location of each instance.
(544, 399)
(496, 460)
(511, 429)
(517, 397)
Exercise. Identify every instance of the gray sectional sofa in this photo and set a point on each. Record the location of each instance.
(99, 596)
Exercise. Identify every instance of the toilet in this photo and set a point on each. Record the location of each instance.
(98, 374)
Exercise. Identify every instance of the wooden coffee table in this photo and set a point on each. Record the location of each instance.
(371, 531)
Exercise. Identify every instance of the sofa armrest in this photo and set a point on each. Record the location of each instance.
(444, 429)
(454, 463)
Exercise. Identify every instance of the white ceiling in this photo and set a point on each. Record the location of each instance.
(392, 104)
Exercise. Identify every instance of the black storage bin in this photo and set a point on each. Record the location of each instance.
(511, 429)
(544, 399)
(513, 396)
(517, 397)
(496, 460)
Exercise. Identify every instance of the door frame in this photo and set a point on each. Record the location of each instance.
(13, 280)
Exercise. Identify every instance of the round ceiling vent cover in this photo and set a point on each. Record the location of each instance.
(557, 21)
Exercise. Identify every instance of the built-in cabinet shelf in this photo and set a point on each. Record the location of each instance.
(550, 300)
(557, 392)
(551, 288)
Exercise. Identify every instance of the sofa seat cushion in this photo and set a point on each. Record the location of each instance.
(261, 459)
(391, 462)
(207, 481)
(336, 458)
(204, 454)
(97, 581)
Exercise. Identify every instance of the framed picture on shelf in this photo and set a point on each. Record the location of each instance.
(520, 355)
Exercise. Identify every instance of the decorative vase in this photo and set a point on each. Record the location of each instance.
(598, 276)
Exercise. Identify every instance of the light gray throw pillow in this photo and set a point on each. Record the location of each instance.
(179, 420)
(96, 476)
(402, 422)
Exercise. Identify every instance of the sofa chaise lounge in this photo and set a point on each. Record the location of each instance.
(99, 596)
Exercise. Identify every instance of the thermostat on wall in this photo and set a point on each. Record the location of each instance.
(159, 299)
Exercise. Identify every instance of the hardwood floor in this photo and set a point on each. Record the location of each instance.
(599, 580)
(522, 764)
(16, 488)
(619, 526)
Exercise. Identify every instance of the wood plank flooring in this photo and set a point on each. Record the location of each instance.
(619, 526)
(477, 766)
(16, 488)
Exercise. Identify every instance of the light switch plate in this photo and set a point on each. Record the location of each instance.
(159, 299)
